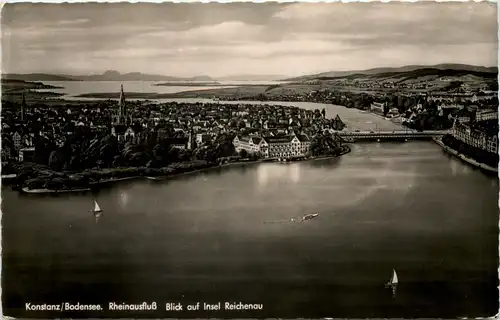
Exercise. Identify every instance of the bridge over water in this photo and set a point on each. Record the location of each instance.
(352, 136)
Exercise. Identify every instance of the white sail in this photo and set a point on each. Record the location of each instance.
(394, 279)
(96, 207)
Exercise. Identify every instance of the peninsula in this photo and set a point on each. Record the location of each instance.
(101, 143)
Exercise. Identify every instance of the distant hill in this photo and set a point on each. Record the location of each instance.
(109, 75)
(36, 77)
(251, 77)
(476, 70)
(428, 73)
(21, 85)
(112, 75)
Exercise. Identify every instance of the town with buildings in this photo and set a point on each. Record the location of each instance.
(150, 135)
(116, 134)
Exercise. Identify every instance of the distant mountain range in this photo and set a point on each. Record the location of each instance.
(435, 69)
(112, 75)
(406, 71)
(109, 75)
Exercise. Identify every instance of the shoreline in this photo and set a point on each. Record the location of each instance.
(47, 191)
(163, 178)
(464, 158)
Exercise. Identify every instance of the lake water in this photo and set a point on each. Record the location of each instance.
(75, 88)
(207, 237)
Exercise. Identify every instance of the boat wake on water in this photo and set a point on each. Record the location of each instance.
(305, 217)
(278, 221)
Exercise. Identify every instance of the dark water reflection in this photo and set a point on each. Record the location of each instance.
(205, 237)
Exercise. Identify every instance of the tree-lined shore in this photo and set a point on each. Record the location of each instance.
(43, 179)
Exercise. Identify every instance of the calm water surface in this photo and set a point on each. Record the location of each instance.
(207, 237)
(74, 88)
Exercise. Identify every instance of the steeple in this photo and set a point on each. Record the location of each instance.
(122, 110)
(122, 97)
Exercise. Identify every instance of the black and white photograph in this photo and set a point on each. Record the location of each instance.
(249, 160)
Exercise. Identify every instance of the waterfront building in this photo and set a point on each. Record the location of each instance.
(286, 146)
(251, 144)
(281, 146)
(477, 135)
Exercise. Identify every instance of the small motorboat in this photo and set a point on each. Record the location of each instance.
(309, 216)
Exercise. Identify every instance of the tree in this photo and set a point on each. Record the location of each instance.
(386, 108)
(317, 113)
(56, 161)
(255, 156)
(323, 144)
(243, 153)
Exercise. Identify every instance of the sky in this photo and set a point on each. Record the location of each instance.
(243, 38)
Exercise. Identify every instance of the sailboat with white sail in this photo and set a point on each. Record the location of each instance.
(97, 211)
(393, 282)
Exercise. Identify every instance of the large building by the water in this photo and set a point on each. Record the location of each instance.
(480, 131)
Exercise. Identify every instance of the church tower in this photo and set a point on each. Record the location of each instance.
(119, 118)
(122, 108)
(121, 115)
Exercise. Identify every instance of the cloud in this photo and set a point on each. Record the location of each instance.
(219, 33)
(242, 37)
(304, 11)
(70, 22)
